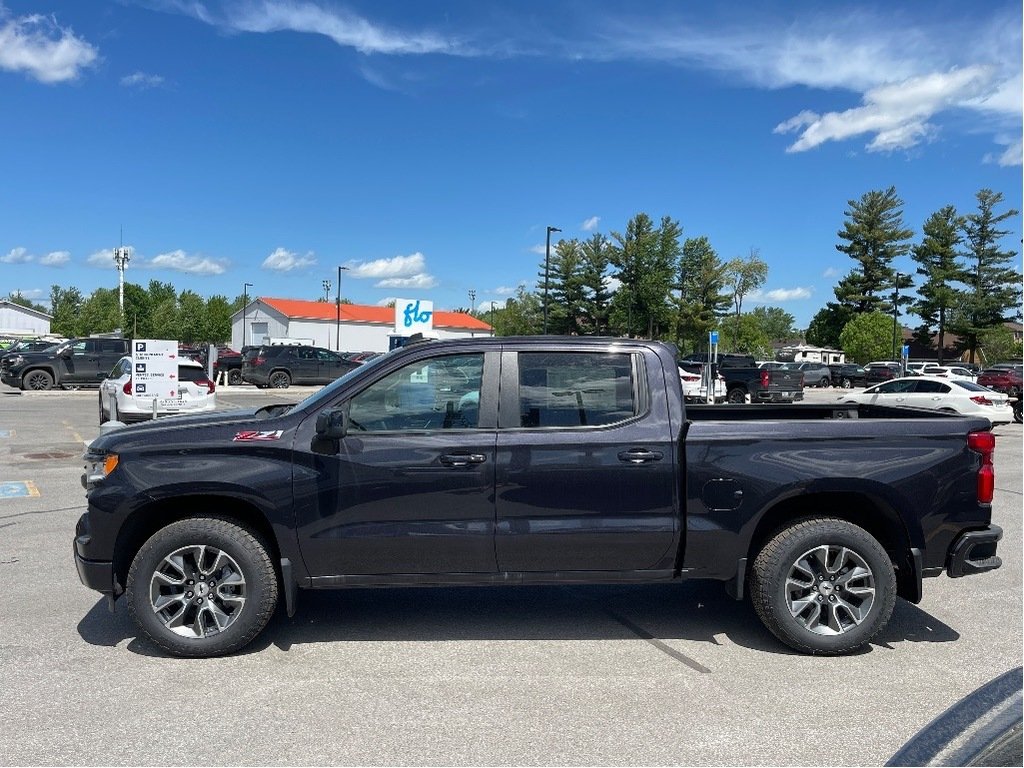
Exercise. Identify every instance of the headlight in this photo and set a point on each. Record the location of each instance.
(97, 468)
(16, 361)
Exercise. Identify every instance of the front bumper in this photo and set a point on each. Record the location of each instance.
(974, 552)
(95, 574)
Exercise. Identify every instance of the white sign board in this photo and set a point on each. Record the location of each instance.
(413, 316)
(154, 370)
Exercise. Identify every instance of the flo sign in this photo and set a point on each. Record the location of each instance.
(413, 316)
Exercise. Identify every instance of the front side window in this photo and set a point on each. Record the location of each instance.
(893, 387)
(576, 389)
(438, 393)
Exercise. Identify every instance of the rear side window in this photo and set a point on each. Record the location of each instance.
(576, 389)
(188, 373)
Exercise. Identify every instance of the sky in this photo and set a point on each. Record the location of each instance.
(425, 147)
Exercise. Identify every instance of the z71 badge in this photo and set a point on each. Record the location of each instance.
(253, 435)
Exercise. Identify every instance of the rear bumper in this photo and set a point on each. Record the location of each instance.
(974, 552)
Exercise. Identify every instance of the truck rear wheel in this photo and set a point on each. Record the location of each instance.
(202, 587)
(234, 377)
(823, 586)
(737, 395)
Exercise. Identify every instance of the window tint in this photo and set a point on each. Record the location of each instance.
(968, 385)
(893, 387)
(931, 386)
(439, 393)
(575, 389)
(326, 356)
(188, 373)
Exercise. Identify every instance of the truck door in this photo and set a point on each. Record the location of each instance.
(82, 363)
(586, 476)
(411, 489)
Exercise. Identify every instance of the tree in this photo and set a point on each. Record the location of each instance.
(22, 301)
(596, 294)
(566, 289)
(747, 334)
(827, 325)
(873, 236)
(776, 323)
(101, 312)
(701, 301)
(993, 286)
(521, 316)
(66, 310)
(867, 337)
(936, 256)
(998, 344)
(743, 276)
(190, 318)
(645, 259)
(217, 321)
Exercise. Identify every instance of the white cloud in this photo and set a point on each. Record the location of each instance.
(17, 256)
(283, 260)
(344, 27)
(32, 294)
(387, 300)
(590, 224)
(180, 261)
(142, 81)
(1009, 157)
(502, 290)
(399, 266)
(780, 294)
(416, 281)
(540, 250)
(831, 272)
(43, 49)
(55, 259)
(103, 258)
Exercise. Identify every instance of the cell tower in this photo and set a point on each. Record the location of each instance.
(122, 255)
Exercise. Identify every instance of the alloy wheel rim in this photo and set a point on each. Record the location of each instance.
(830, 589)
(197, 591)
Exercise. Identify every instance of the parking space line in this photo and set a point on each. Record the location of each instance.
(74, 434)
(17, 489)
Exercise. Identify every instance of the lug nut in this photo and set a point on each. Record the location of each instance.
(188, 594)
(199, 601)
(832, 599)
(191, 582)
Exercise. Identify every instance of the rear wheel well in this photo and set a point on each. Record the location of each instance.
(148, 520)
(871, 514)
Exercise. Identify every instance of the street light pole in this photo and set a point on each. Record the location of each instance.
(327, 289)
(895, 316)
(337, 339)
(245, 303)
(547, 269)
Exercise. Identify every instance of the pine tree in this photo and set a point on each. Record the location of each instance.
(936, 256)
(702, 300)
(597, 296)
(874, 235)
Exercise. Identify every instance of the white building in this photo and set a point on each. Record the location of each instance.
(19, 321)
(362, 328)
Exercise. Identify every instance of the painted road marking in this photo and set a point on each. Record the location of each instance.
(14, 489)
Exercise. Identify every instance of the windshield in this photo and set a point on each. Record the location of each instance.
(322, 396)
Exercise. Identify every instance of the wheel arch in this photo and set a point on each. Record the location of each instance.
(869, 512)
(147, 520)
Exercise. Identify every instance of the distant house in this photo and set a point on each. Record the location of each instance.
(362, 328)
(19, 321)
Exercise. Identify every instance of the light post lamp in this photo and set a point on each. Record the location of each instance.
(895, 316)
(327, 289)
(547, 268)
(245, 303)
(337, 339)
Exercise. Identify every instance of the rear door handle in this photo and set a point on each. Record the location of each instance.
(639, 456)
(462, 459)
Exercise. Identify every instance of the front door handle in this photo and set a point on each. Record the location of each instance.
(639, 456)
(462, 459)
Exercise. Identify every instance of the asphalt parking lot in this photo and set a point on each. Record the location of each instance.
(668, 674)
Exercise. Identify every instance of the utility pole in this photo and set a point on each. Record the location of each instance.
(122, 255)
(547, 269)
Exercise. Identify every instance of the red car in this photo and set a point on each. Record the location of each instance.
(1005, 378)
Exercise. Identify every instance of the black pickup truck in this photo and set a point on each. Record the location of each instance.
(70, 364)
(745, 379)
(532, 461)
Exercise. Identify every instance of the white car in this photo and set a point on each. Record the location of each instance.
(954, 372)
(947, 395)
(195, 394)
(694, 390)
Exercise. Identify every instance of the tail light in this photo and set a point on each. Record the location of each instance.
(981, 400)
(210, 386)
(765, 378)
(127, 388)
(984, 443)
(258, 361)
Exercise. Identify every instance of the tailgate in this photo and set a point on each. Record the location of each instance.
(787, 380)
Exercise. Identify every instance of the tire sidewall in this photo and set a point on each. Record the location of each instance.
(242, 546)
(832, 532)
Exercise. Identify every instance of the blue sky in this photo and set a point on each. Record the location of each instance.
(426, 146)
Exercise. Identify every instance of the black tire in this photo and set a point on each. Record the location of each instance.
(103, 416)
(244, 599)
(38, 381)
(234, 377)
(737, 395)
(824, 383)
(847, 384)
(1018, 416)
(861, 605)
(279, 380)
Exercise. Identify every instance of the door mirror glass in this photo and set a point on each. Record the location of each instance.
(332, 424)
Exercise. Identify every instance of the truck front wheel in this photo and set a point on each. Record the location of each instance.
(37, 380)
(823, 586)
(202, 587)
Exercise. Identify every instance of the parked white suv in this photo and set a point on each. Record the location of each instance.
(196, 393)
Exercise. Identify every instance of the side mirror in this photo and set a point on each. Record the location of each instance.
(332, 424)
(66, 352)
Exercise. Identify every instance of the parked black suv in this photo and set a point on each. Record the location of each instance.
(74, 363)
(848, 375)
(280, 366)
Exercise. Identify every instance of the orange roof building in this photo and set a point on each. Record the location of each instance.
(360, 328)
